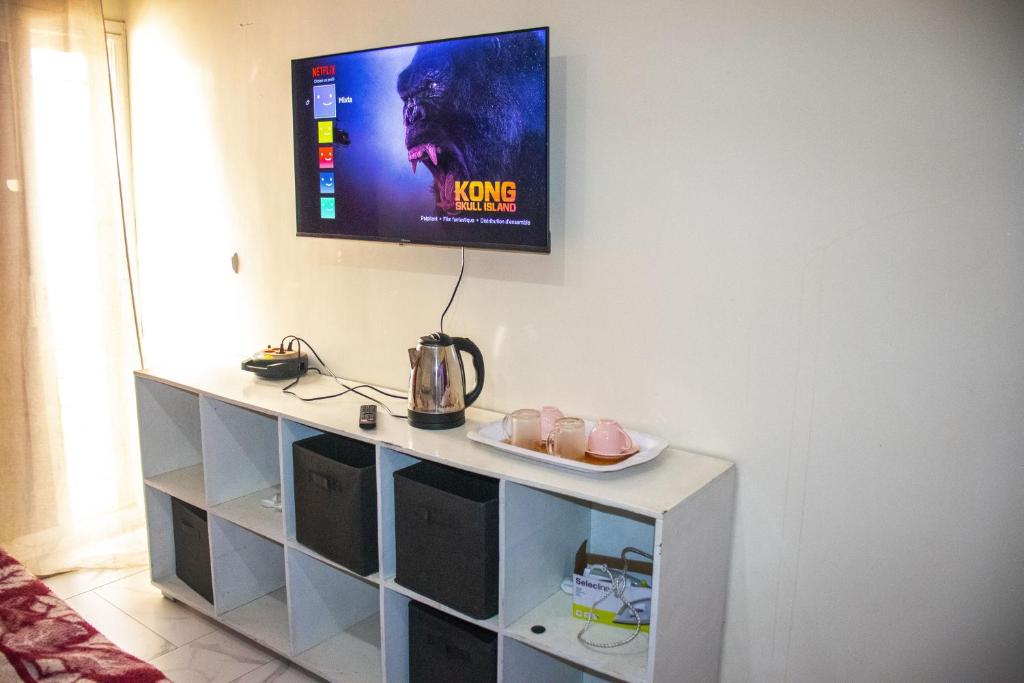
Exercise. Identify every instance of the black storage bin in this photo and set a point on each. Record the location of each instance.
(443, 649)
(192, 548)
(336, 500)
(446, 537)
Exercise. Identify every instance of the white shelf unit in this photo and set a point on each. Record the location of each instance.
(223, 441)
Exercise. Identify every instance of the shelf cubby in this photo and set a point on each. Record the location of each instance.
(542, 532)
(249, 584)
(335, 620)
(389, 462)
(290, 432)
(239, 451)
(170, 440)
(160, 531)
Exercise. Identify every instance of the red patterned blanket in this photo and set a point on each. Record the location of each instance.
(42, 639)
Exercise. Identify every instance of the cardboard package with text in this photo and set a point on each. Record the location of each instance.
(590, 586)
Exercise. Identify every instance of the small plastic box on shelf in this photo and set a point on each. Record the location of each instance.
(445, 648)
(446, 537)
(336, 500)
(192, 548)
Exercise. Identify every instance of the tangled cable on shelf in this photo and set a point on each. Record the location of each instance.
(620, 582)
(291, 339)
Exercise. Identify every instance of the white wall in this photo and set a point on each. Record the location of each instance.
(788, 233)
(115, 10)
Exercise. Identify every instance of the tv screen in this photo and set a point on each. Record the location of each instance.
(443, 142)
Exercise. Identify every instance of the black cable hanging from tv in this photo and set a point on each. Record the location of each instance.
(456, 290)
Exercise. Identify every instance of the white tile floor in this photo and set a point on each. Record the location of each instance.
(185, 645)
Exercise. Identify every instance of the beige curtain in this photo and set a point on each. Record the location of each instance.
(69, 476)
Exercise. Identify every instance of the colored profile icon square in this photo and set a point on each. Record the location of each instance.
(327, 183)
(327, 207)
(325, 102)
(325, 131)
(327, 157)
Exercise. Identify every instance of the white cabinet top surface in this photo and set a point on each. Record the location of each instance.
(649, 489)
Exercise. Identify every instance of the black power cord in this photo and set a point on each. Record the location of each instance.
(292, 339)
(456, 290)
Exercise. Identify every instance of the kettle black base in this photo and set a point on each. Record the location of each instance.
(437, 381)
(437, 420)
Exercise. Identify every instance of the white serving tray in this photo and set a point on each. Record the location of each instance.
(650, 447)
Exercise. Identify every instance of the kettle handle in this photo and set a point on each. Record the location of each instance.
(466, 346)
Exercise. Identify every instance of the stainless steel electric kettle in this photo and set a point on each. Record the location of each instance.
(437, 381)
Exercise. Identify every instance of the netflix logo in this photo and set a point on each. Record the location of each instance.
(327, 70)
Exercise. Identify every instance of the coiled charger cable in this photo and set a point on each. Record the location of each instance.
(620, 582)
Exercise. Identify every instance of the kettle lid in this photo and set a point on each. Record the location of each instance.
(435, 339)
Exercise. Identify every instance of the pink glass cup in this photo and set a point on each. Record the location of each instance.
(568, 438)
(609, 439)
(522, 428)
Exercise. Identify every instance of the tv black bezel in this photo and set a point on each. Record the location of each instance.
(546, 249)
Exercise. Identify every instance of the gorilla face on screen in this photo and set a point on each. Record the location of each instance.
(475, 109)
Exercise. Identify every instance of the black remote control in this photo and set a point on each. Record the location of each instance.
(368, 416)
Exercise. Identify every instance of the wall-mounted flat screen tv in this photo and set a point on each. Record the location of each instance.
(443, 142)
